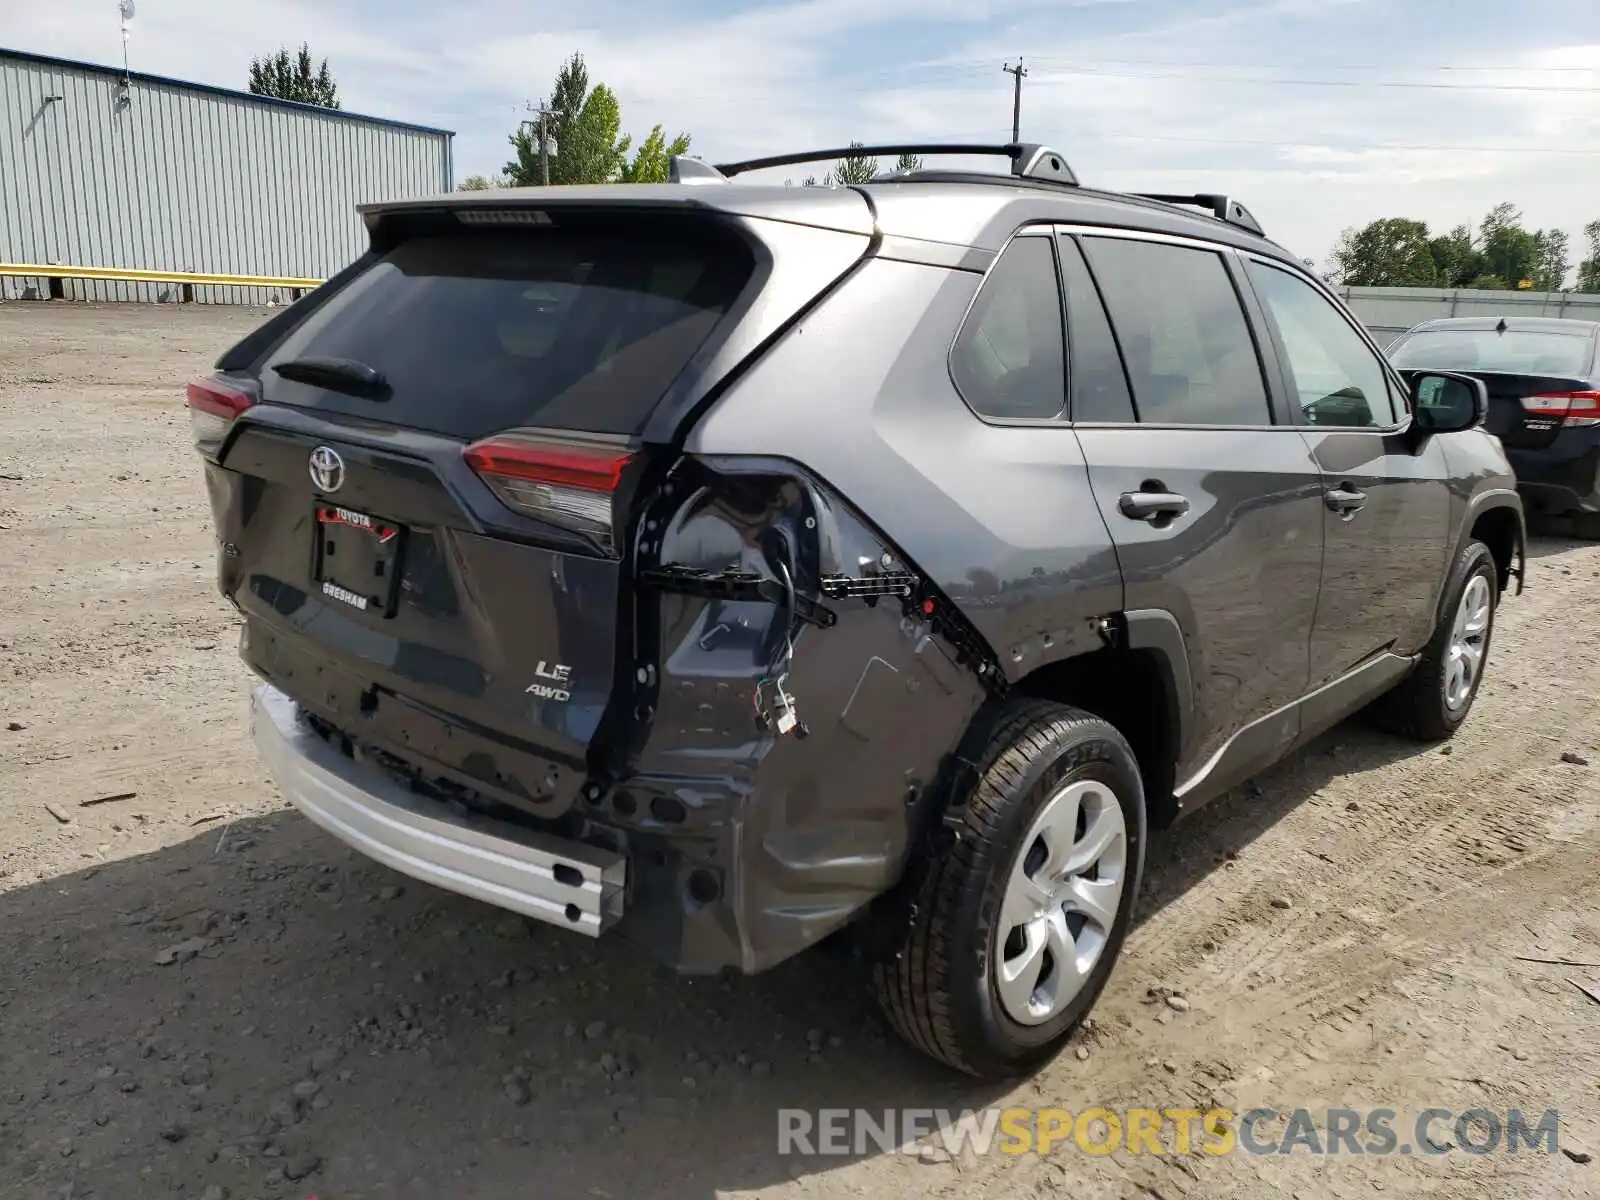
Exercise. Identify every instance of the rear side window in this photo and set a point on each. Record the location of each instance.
(1009, 360)
(1514, 352)
(481, 332)
(1099, 387)
(1182, 330)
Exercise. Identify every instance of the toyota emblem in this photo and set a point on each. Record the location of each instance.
(327, 469)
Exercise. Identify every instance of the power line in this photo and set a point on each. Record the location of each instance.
(1216, 141)
(1245, 66)
(952, 74)
(1344, 83)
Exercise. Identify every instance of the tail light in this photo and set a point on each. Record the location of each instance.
(213, 406)
(1565, 408)
(570, 486)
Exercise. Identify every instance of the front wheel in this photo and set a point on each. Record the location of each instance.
(1431, 703)
(1017, 925)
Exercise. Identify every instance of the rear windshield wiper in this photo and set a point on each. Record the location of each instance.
(340, 374)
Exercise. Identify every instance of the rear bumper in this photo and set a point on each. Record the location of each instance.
(560, 882)
(1563, 476)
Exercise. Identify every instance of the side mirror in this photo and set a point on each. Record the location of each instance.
(1445, 402)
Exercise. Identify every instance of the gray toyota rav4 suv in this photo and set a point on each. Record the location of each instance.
(719, 566)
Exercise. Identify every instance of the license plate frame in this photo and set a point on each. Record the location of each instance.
(356, 559)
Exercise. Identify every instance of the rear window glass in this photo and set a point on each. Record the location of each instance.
(1514, 352)
(477, 333)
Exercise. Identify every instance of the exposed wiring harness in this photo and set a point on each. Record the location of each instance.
(783, 707)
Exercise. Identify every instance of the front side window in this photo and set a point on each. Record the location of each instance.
(1009, 360)
(1190, 357)
(1338, 379)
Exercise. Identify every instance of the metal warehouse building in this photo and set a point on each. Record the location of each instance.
(101, 169)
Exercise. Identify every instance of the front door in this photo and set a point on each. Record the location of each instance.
(1387, 497)
(1210, 493)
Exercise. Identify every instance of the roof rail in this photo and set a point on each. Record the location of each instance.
(681, 168)
(1220, 207)
(1028, 160)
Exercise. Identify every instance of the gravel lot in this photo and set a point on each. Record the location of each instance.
(202, 995)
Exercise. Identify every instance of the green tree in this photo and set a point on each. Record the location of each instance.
(855, 168)
(1550, 260)
(907, 163)
(652, 162)
(293, 78)
(481, 183)
(587, 145)
(1457, 262)
(1510, 252)
(1589, 268)
(1392, 252)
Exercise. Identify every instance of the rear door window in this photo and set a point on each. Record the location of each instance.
(1009, 360)
(1182, 330)
(480, 332)
(1099, 385)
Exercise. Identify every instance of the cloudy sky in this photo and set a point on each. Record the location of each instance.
(1318, 114)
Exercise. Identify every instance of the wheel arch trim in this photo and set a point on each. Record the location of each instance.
(1156, 631)
(1486, 501)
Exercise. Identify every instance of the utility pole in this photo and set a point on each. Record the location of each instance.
(544, 140)
(125, 10)
(1017, 72)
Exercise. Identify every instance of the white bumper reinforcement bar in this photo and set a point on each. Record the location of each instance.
(550, 879)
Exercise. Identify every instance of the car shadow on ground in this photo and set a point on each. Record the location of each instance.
(1550, 537)
(450, 1049)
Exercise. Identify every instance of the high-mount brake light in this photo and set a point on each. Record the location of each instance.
(213, 407)
(503, 216)
(568, 485)
(1566, 408)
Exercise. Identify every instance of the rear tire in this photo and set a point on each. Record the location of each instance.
(1016, 926)
(1431, 703)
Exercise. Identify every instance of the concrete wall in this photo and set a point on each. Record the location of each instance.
(165, 175)
(1389, 312)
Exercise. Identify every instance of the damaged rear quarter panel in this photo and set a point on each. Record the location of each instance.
(810, 825)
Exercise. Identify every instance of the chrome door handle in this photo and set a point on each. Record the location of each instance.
(1151, 506)
(1344, 500)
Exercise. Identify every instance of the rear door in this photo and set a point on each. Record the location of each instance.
(1387, 497)
(425, 516)
(1210, 494)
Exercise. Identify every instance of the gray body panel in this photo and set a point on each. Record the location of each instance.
(1383, 563)
(1239, 571)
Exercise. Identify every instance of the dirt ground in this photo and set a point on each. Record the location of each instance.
(202, 995)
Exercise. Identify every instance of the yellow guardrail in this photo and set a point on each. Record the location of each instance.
(124, 275)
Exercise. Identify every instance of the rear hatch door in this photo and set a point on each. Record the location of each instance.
(425, 516)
